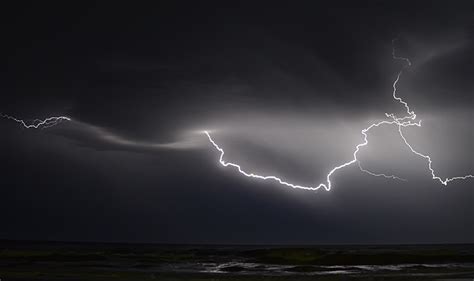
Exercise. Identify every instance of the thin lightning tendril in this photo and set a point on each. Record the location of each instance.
(379, 175)
(37, 123)
(405, 121)
(430, 162)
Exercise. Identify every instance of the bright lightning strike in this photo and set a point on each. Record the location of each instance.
(328, 184)
(252, 175)
(37, 123)
(405, 121)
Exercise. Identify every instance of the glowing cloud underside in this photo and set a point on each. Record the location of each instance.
(400, 122)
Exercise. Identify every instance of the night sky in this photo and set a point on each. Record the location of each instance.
(285, 89)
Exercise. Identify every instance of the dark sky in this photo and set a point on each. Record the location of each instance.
(285, 88)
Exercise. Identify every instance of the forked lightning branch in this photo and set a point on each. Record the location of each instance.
(399, 123)
(408, 120)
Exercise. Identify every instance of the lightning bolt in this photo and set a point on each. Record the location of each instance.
(400, 122)
(252, 175)
(406, 121)
(328, 184)
(37, 123)
(430, 162)
(379, 174)
(411, 115)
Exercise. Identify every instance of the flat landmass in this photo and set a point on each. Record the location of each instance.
(29, 260)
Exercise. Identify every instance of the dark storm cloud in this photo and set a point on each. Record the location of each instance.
(285, 89)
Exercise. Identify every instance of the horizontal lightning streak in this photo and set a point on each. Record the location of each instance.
(379, 175)
(37, 123)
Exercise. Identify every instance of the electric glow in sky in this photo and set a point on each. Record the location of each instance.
(399, 123)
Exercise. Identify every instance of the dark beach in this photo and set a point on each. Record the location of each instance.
(20, 260)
